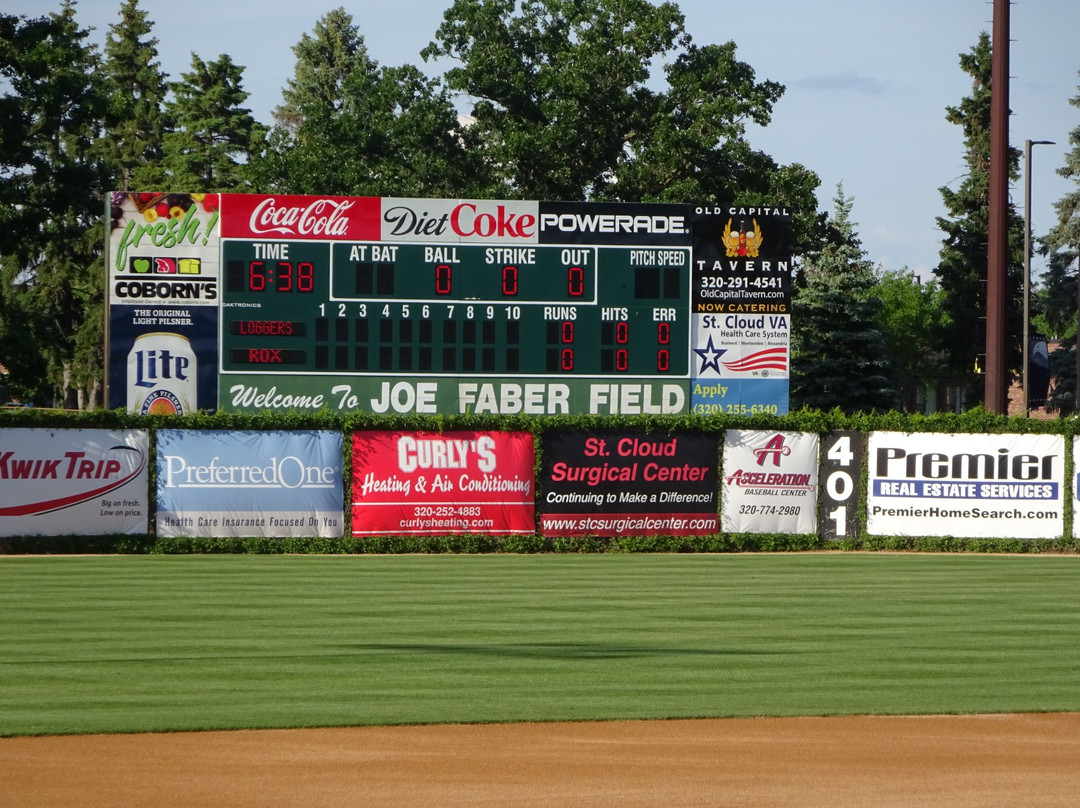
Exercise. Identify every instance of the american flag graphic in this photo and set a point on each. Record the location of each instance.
(768, 359)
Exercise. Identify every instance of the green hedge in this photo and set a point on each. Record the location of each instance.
(802, 421)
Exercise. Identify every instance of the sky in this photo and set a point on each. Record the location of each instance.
(867, 83)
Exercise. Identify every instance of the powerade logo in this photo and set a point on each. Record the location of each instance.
(614, 223)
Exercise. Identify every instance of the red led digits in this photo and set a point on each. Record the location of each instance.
(442, 279)
(305, 276)
(509, 281)
(256, 276)
(575, 281)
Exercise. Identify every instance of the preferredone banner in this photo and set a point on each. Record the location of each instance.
(249, 483)
(971, 486)
(617, 484)
(442, 483)
(770, 482)
(86, 482)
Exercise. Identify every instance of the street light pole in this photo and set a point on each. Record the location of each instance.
(1027, 264)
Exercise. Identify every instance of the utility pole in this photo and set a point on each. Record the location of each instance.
(1027, 268)
(996, 392)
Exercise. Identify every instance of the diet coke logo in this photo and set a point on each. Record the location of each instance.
(322, 217)
(446, 220)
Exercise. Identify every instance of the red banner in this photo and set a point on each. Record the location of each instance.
(442, 483)
(288, 218)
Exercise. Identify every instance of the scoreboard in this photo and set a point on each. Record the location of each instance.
(445, 306)
(421, 309)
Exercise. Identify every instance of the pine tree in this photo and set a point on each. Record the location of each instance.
(134, 116)
(840, 357)
(350, 127)
(52, 184)
(1063, 242)
(214, 136)
(964, 254)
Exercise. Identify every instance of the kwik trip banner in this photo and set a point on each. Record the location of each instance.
(86, 482)
(442, 483)
(770, 482)
(618, 484)
(977, 486)
(249, 483)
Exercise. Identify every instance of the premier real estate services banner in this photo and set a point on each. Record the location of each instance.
(970, 486)
(617, 484)
(249, 483)
(87, 482)
(770, 482)
(442, 483)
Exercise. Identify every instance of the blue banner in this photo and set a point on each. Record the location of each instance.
(251, 484)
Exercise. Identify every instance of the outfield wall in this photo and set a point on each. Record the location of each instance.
(555, 483)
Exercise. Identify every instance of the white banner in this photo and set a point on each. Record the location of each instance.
(977, 486)
(770, 482)
(86, 482)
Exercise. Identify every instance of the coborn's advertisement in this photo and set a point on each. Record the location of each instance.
(164, 294)
(971, 486)
(249, 483)
(442, 483)
(613, 484)
(770, 482)
(73, 481)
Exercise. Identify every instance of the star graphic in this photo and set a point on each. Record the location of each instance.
(710, 356)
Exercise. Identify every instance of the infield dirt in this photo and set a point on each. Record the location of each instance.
(955, 761)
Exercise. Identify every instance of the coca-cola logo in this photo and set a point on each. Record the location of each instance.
(322, 217)
(465, 220)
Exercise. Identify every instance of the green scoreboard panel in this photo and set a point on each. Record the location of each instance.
(413, 309)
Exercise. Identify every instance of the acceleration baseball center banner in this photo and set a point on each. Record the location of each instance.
(249, 483)
(971, 486)
(86, 482)
(770, 482)
(442, 483)
(617, 484)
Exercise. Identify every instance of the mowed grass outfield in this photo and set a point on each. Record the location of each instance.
(156, 643)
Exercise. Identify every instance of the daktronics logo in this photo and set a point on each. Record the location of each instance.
(321, 217)
(444, 220)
